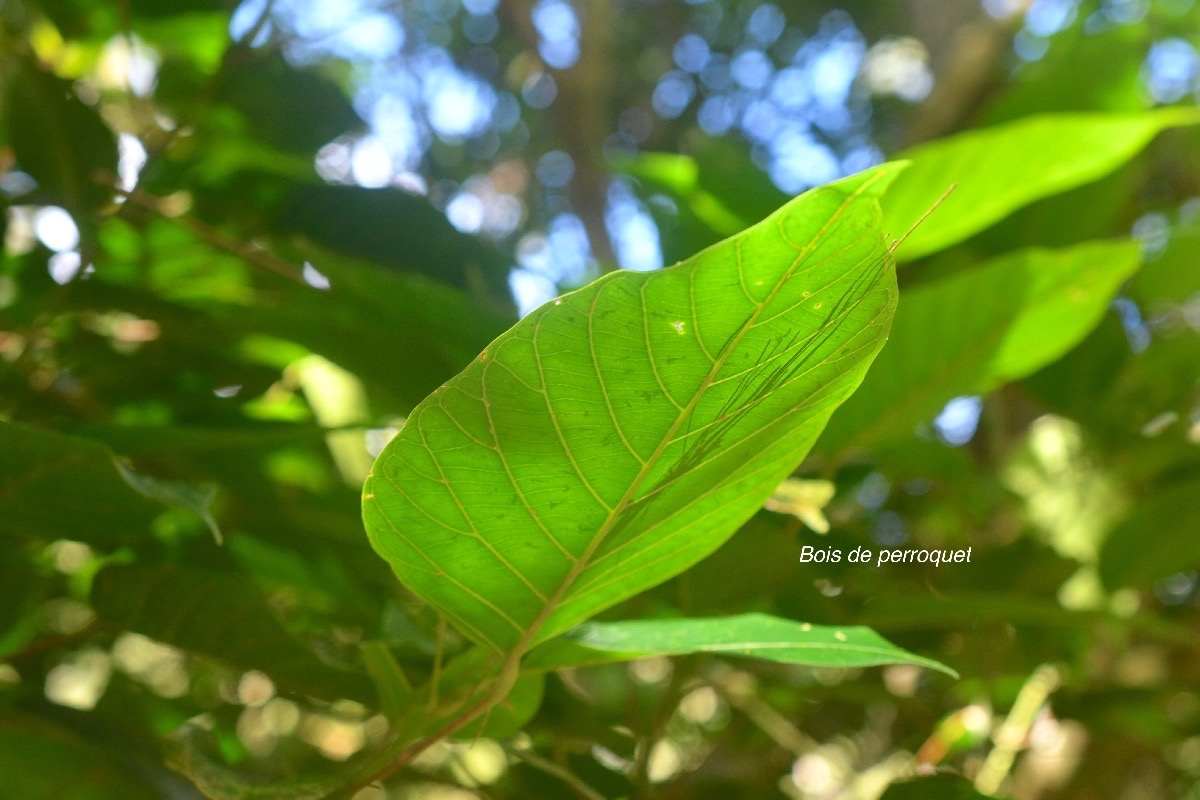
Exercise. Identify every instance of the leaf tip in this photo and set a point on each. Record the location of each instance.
(871, 182)
(938, 666)
(880, 178)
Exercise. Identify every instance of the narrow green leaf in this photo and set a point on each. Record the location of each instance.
(720, 183)
(675, 172)
(680, 175)
(159, 9)
(750, 635)
(977, 329)
(391, 684)
(728, 171)
(220, 615)
(619, 434)
(997, 170)
(196, 498)
(695, 219)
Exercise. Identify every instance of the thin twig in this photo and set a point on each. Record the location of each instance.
(52, 643)
(248, 252)
(770, 721)
(261, 22)
(664, 710)
(495, 694)
(573, 782)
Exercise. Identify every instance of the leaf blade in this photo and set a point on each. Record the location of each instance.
(39, 758)
(759, 636)
(1156, 540)
(218, 614)
(977, 329)
(51, 481)
(558, 473)
(1000, 169)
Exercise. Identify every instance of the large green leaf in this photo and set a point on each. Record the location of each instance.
(975, 330)
(1111, 59)
(60, 141)
(621, 433)
(748, 635)
(997, 170)
(272, 95)
(54, 485)
(1157, 540)
(1173, 276)
(402, 334)
(393, 229)
(217, 614)
(41, 759)
(21, 590)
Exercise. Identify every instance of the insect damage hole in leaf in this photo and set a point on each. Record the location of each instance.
(601, 449)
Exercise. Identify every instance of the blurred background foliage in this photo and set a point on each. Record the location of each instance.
(243, 240)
